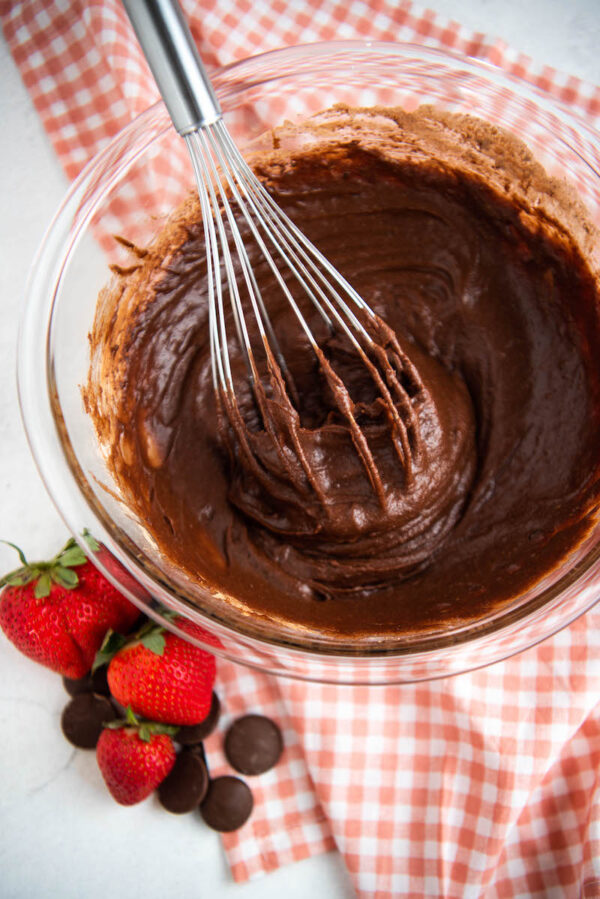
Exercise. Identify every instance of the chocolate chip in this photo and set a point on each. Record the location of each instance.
(89, 683)
(185, 787)
(83, 718)
(253, 744)
(195, 733)
(228, 804)
(75, 686)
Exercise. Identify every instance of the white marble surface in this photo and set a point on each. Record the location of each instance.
(61, 836)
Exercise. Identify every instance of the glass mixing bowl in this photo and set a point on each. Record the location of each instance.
(130, 188)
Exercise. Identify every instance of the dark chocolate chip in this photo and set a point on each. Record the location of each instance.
(83, 718)
(75, 686)
(198, 749)
(253, 744)
(89, 683)
(100, 681)
(227, 804)
(195, 733)
(185, 787)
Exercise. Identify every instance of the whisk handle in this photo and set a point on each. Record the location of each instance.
(172, 55)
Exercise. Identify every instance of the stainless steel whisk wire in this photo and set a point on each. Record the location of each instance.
(223, 177)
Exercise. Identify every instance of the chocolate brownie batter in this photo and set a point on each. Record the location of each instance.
(474, 262)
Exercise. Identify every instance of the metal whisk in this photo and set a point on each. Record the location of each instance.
(230, 195)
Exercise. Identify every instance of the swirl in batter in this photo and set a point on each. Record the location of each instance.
(476, 262)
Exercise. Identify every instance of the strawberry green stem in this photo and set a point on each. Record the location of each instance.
(58, 570)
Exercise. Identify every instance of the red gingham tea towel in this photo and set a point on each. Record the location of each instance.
(481, 785)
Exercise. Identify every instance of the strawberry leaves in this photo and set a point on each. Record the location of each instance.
(154, 641)
(145, 729)
(91, 541)
(71, 555)
(150, 635)
(19, 551)
(111, 644)
(43, 586)
(58, 570)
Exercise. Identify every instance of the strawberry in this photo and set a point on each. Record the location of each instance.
(58, 612)
(135, 757)
(164, 677)
(104, 558)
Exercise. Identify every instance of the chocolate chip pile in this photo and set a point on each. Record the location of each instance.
(253, 745)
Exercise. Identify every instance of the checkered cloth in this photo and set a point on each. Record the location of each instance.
(482, 785)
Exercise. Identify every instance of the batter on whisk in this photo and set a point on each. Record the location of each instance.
(476, 263)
